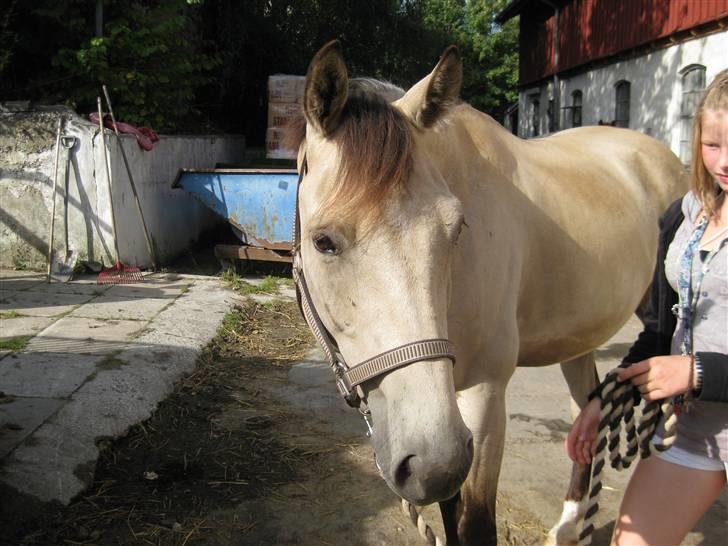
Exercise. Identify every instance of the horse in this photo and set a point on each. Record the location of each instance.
(421, 218)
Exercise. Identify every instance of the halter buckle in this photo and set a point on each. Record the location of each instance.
(344, 386)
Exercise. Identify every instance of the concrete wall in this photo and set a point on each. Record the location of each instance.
(27, 156)
(656, 89)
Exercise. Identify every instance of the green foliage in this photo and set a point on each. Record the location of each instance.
(150, 57)
(194, 64)
(489, 51)
(14, 344)
(268, 285)
(146, 60)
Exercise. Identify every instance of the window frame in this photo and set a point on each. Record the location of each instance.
(689, 101)
(622, 103)
(576, 109)
(534, 104)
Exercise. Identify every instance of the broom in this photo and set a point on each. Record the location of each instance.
(120, 273)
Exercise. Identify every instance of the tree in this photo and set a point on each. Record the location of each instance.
(149, 56)
(489, 51)
(204, 64)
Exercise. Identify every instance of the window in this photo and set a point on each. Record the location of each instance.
(535, 110)
(511, 118)
(551, 119)
(693, 84)
(576, 108)
(621, 110)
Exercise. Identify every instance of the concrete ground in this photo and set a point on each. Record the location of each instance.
(535, 470)
(80, 362)
(98, 359)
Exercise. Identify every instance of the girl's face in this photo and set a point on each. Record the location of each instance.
(714, 144)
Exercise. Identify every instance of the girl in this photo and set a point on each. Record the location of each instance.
(685, 357)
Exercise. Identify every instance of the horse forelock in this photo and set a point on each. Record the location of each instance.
(375, 145)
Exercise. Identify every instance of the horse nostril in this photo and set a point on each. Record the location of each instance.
(403, 471)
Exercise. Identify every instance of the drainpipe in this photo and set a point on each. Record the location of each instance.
(99, 18)
(557, 91)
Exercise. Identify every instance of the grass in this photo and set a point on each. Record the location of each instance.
(269, 284)
(14, 344)
(9, 314)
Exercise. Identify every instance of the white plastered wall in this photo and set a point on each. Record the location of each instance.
(655, 93)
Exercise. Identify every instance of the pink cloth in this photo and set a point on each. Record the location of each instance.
(146, 138)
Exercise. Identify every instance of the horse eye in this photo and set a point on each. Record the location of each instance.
(324, 244)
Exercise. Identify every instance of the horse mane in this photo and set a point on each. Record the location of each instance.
(375, 146)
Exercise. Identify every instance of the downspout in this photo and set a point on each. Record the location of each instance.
(99, 18)
(557, 91)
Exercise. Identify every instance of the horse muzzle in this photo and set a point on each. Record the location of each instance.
(423, 451)
(428, 473)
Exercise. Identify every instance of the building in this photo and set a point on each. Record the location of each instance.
(641, 64)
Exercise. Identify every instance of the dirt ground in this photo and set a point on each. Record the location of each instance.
(228, 459)
(248, 452)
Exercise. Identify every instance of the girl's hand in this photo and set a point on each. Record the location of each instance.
(580, 443)
(660, 376)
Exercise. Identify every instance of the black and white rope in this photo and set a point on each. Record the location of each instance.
(617, 407)
(423, 527)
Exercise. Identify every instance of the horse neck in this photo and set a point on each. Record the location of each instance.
(471, 150)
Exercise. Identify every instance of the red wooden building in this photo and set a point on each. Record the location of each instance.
(586, 61)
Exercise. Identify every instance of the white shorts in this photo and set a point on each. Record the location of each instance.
(679, 456)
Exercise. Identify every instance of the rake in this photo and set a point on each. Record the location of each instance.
(120, 273)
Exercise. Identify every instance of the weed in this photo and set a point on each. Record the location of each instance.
(269, 285)
(14, 344)
(9, 314)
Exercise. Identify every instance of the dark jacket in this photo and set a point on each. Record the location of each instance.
(659, 320)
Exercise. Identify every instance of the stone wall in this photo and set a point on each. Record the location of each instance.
(83, 212)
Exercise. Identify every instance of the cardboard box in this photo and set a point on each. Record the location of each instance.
(281, 113)
(285, 88)
(274, 145)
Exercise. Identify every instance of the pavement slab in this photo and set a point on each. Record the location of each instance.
(111, 306)
(153, 288)
(12, 281)
(81, 287)
(203, 307)
(79, 335)
(99, 360)
(45, 375)
(21, 416)
(46, 465)
(39, 304)
(22, 326)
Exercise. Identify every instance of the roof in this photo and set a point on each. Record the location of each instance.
(515, 8)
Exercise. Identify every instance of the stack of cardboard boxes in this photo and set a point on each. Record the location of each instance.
(285, 94)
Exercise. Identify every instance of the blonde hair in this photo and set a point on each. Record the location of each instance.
(706, 190)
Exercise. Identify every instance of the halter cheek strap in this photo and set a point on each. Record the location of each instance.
(348, 378)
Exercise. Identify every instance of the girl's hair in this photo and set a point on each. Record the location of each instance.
(715, 98)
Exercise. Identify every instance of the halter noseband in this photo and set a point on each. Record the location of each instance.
(348, 378)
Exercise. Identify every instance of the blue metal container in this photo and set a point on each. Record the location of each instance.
(258, 203)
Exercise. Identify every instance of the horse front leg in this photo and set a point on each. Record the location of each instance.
(469, 517)
(581, 377)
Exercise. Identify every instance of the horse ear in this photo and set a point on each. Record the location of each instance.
(428, 100)
(326, 88)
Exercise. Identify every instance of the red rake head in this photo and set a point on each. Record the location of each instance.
(120, 274)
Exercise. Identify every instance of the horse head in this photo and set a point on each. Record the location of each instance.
(378, 230)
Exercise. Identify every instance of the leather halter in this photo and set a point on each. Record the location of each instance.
(348, 378)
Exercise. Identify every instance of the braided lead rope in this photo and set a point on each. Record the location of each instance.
(617, 406)
(424, 529)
